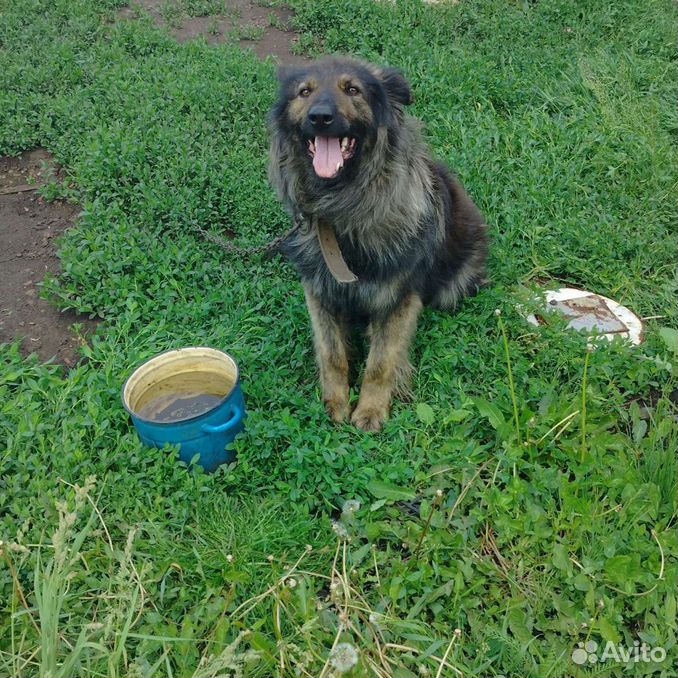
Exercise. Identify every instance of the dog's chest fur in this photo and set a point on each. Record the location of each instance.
(383, 278)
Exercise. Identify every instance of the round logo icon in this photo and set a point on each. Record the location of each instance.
(585, 653)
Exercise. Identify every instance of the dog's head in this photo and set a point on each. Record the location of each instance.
(332, 110)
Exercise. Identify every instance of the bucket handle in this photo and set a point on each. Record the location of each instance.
(226, 426)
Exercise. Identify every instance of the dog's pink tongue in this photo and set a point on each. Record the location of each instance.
(327, 159)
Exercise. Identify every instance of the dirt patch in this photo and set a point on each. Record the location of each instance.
(29, 226)
(265, 29)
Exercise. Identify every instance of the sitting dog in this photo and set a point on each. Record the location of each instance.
(383, 228)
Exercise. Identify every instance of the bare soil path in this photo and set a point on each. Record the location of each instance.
(267, 30)
(29, 226)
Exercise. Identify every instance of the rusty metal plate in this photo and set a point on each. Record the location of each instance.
(589, 313)
(592, 313)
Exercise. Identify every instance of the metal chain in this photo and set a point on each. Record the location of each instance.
(244, 251)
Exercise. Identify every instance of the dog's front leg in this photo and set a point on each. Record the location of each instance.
(387, 363)
(330, 339)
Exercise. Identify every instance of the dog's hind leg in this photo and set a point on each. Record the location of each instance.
(466, 281)
(387, 362)
(331, 351)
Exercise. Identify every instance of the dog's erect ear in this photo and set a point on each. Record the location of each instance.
(285, 73)
(397, 88)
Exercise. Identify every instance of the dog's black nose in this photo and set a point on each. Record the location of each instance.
(321, 115)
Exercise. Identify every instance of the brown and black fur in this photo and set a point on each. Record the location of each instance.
(404, 224)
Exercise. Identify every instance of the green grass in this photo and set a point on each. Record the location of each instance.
(491, 504)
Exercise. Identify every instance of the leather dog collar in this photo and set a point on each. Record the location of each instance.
(332, 253)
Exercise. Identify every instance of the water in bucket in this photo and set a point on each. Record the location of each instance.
(182, 396)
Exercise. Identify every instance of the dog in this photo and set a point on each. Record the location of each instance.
(353, 171)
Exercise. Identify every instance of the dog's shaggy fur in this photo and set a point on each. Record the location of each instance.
(343, 151)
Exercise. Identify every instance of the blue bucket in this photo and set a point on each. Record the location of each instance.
(210, 433)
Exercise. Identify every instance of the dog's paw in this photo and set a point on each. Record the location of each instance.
(369, 419)
(337, 410)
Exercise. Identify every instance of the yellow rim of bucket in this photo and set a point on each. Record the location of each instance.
(192, 355)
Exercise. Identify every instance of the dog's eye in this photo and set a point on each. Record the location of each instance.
(352, 91)
(304, 92)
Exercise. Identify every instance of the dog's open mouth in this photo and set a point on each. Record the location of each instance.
(330, 153)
